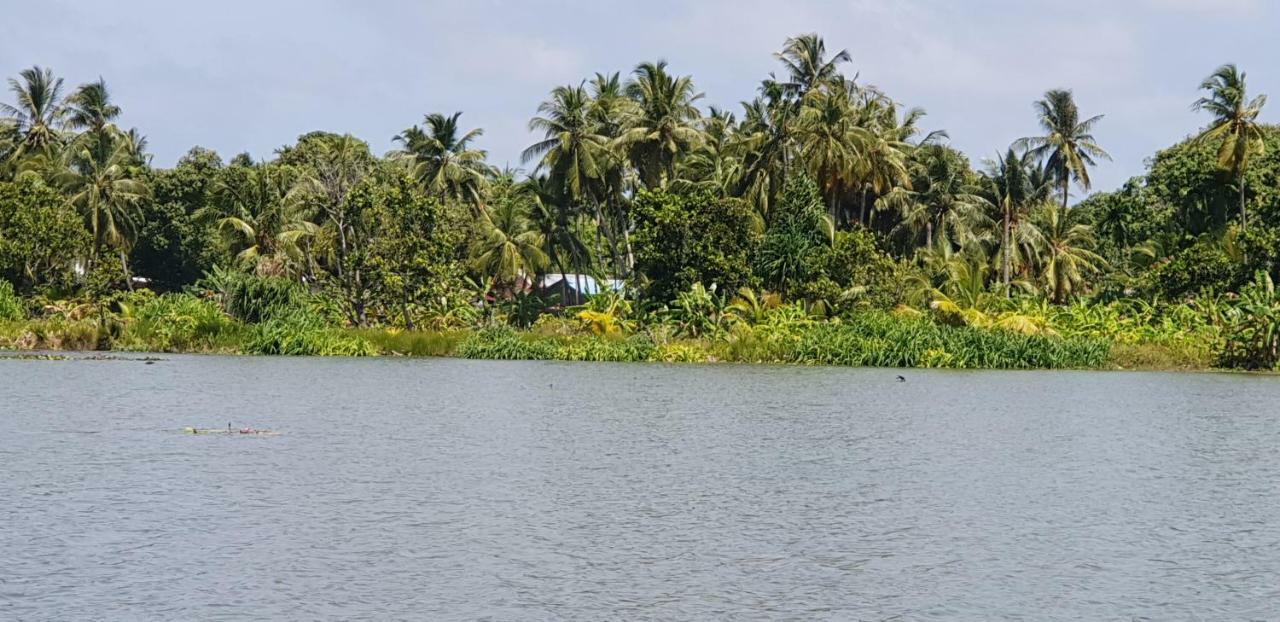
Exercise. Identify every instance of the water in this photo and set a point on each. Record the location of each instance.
(458, 490)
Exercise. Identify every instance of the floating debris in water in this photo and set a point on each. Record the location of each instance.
(229, 431)
(34, 357)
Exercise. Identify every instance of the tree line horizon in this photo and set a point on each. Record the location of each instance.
(820, 189)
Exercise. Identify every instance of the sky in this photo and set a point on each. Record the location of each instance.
(238, 75)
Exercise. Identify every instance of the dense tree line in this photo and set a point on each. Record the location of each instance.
(821, 189)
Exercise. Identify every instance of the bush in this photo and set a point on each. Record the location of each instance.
(253, 299)
(876, 339)
(11, 307)
(56, 333)
(634, 349)
(305, 333)
(177, 323)
(1252, 329)
(503, 343)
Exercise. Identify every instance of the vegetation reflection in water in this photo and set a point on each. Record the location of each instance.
(821, 224)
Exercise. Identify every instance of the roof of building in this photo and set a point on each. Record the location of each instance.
(589, 284)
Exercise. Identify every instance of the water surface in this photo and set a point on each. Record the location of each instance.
(461, 490)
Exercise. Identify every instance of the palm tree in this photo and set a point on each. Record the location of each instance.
(763, 145)
(830, 142)
(664, 124)
(571, 151)
(941, 201)
(1067, 146)
(102, 183)
(1235, 124)
(1066, 257)
(806, 62)
(507, 246)
(251, 205)
(1012, 187)
(38, 112)
(90, 107)
(444, 162)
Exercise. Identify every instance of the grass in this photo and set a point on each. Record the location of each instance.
(180, 323)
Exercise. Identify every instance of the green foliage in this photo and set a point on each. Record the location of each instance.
(412, 343)
(175, 246)
(503, 343)
(697, 312)
(797, 241)
(40, 236)
(1252, 328)
(882, 340)
(11, 307)
(1205, 265)
(304, 333)
(687, 238)
(636, 348)
(177, 323)
(253, 299)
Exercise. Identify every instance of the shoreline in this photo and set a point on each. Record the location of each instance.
(446, 345)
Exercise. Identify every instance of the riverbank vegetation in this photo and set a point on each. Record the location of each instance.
(822, 223)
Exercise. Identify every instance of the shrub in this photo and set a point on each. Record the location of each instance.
(177, 323)
(634, 349)
(10, 305)
(1252, 328)
(305, 333)
(253, 299)
(503, 343)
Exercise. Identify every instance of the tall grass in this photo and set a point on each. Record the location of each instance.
(179, 323)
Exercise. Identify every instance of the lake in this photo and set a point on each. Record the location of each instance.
(463, 490)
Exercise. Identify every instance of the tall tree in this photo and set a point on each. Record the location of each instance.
(1013, 189)
(443, 161)
(1067, 146)
(805, 58)
(38, 112)
(101, 181)
(571, 151)
(1235, 124)
(507, 246)
(90, 107)
(831, 142)
(664, 124)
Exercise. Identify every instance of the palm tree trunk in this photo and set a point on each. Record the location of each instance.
(1244, 223)
(1066, 183)
(124, 265)
(1005, 245)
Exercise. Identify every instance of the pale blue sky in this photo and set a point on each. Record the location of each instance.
(235, 75)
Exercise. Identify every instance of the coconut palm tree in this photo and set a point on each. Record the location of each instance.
(572, 151)
(1235, 124)
(805, 58)
(507, 246)
(831, 143)
(1013, 190)
(90, 108)
(38, 113)
(1066, 258)
(942, 200)
(664, 124)
(1067, 147)
(444, 161)
(763, 145)
(265, 229)
(714, 165)
(100, 180)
